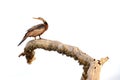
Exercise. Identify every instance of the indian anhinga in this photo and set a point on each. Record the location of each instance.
(36, 30)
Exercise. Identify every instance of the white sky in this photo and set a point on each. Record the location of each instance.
(91, 25)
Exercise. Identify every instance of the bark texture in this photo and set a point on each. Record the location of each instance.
(91, 66)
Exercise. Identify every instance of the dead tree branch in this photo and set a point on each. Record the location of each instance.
(91, 66)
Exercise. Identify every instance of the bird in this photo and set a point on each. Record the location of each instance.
(36, 30)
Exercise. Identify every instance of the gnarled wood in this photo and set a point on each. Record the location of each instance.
(91, 66)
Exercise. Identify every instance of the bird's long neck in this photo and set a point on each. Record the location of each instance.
(46, 24)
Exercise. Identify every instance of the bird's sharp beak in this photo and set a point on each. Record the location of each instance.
(39, 18)
(35, 18)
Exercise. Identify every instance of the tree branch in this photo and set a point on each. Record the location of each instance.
(64, 49)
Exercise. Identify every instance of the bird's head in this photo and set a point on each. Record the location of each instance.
(38, 18)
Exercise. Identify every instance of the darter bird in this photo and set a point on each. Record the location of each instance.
(36, 30)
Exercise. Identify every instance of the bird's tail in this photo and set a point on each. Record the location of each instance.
(24, 38)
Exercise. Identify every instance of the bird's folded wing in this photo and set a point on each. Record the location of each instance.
(39, 26)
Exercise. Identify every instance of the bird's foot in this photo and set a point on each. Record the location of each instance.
(40, 37)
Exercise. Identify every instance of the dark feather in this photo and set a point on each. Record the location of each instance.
(36, 27)
(24, 38)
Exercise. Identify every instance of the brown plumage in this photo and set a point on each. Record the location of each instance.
(36, 30)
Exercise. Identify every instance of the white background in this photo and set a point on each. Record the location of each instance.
(91, 25)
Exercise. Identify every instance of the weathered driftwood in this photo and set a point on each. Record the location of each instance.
(91, 66)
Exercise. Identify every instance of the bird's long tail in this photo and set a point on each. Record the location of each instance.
(24, 38)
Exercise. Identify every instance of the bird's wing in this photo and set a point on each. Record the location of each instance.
(39, 26)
